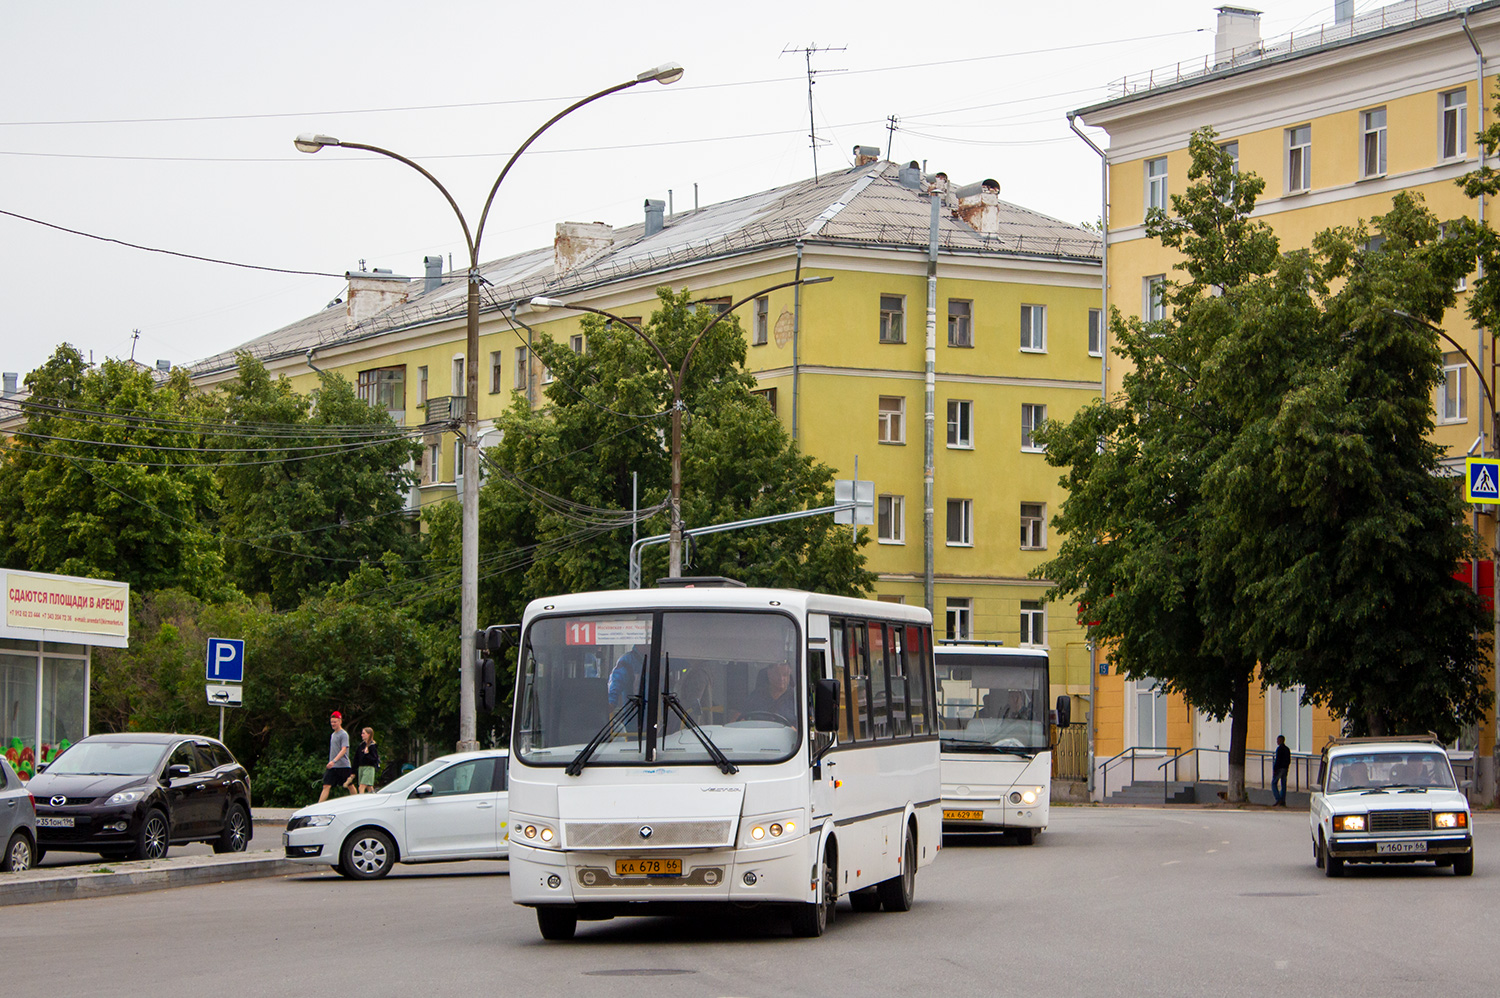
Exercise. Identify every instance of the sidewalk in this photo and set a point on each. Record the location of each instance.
(47, 883)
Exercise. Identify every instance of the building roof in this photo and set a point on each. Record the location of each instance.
(864, 206)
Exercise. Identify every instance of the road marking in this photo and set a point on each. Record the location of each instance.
(1172, 862)
(1213, 850)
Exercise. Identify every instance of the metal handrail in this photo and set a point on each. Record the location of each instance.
(1301, 766)
(1132, 753)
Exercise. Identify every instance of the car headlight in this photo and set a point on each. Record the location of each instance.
(125, 797)
(1349, 823)
(308, 821)
(1450, 819)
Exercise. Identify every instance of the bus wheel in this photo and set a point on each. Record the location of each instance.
(896, 894)
(557, 923)
(811, 920)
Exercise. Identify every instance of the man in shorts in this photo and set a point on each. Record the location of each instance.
(338, 769)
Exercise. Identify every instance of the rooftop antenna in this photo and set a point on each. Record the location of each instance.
(890, 142)
(812, 128)
(135, 334)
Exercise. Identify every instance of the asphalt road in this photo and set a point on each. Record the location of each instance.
(1109, 902)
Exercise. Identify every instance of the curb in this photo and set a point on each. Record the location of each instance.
(42, 884)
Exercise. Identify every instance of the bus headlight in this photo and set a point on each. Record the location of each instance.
(1026, 795)
(771, 827)
(534, 833)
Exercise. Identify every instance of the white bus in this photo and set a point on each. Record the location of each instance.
(763, 746)
(997, 754)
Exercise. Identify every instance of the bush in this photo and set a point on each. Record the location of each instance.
(286, 776)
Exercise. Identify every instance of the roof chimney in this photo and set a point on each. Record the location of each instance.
(372, 292)
(865, 155)
(1343, 11)
(1237, 34)
(164, 366)
(655, 216)
(576, 242)
(11, 377)
(979, 206)
(434, 277)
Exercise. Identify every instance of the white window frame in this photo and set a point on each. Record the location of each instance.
(1453, 124)
(960, 424)
(1033, 624)
(961, 324)
(1033, 526)
(891, 423)
(1156, 183)
(1372, 135)
(1033, 328)
(1452, 403)
(892, 320)
(460, 383)
(1096, 332)
(577, 343)
(1298, 178)
(761, 326)
(495, 387)
(958, 613)
(1149, 703)
(890, 519)
(433, 452)
(1293, 719)
(522, 373)
(422, 384)
(1033, 414)
(965, 509)
(1153, 309)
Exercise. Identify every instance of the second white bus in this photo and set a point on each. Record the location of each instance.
(719, 744)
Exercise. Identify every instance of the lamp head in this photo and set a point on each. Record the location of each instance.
(310, 143)
(666, 73)
(540, 304)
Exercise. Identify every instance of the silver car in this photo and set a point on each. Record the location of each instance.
(17, 821)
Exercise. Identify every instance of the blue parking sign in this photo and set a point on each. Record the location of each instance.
(1482, 481)
(226, 660)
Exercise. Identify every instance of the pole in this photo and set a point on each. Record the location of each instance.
(929, 415)
(221, 722)
(674, 569)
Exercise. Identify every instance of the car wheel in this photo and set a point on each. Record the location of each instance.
(1333, 866)
(557, 924)
(235, 836)
(368, 854)
(153, 838)
(897, 893)
(1463, 866)
(1317, 854)
(20, 854)
(865, 900)
(811, 920)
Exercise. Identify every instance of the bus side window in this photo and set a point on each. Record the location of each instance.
(840, 672)
(859, 681)
(898, 676)
(880, 724)
(916, 680)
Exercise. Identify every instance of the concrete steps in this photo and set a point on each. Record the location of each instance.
(1152, 793)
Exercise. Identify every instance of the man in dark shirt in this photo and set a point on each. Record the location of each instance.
(775, 695)
(1279, 767)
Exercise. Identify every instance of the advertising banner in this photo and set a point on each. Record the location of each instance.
(63, 605)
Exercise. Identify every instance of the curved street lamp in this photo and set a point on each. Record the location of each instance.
(678, 374)
(666, 73)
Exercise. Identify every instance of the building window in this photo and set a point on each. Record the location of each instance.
(495, 371)
(422, 384)
(1096, 332)
(1232, 150)
(1298, 159)
(1150, 714)
(1296, 718)
(961, 523)
(1451, 407)
(1032, 417)
(1154, 310)
(961, 424)
(546, 375)
(1033, 623)
(891, 519)
(1453, 127)
(384, 387)
(1372, 143)
(718, 306)
(433, 469)
(1033, 526)
(576, 342)
(892, 319)
(1156, 184)
(887, 598)
(460, 386)
(960, 323)
(1034, 327)
(768, 395)
(518, 379)
(762, 328)
(892, 420)
(960, 619)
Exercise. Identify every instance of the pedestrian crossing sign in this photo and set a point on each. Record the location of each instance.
(1483, 480)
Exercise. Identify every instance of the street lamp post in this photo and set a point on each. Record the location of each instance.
(677, 374)
(469, 556)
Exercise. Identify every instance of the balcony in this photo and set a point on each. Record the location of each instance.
(445, 410)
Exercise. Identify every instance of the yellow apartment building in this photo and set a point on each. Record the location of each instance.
(1337, 118)
(1016, 340)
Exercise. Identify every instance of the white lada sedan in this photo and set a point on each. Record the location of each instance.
(1389, 800)
(452, 808)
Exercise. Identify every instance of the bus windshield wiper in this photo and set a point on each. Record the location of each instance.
(714, 752)
(620, 717)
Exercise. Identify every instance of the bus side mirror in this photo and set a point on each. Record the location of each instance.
(1064, 711)
(826, 705)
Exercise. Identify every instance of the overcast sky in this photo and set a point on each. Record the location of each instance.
(170, 125)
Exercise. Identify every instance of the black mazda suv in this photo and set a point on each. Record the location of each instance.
(130, 796)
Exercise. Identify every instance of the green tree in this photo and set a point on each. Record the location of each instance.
(107, 478)
(313, 485)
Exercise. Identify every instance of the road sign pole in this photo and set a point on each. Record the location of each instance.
(221, 723)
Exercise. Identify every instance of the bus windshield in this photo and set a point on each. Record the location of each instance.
(992, 704)
(627, 680)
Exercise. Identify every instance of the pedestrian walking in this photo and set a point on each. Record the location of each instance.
(338, 769)
(1279, 767)
(366, 761)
